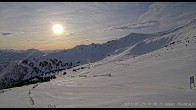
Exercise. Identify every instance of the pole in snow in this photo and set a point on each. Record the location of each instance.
(192, 81)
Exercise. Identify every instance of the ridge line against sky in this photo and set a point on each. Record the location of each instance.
(25, 25)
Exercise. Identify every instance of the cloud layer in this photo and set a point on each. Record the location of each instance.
(33, 21)
(136, 25)
(5, 33)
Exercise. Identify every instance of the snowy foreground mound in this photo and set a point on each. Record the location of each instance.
(153, 71)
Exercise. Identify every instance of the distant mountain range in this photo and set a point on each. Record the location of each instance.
(14, 55)
(33, 65)
(9, 55)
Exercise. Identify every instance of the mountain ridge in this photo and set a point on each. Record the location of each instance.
(44, 66)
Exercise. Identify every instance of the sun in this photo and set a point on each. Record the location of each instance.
(57, 28)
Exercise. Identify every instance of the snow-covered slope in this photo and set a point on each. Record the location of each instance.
(7, 56)
(158, 78)
(65, 59)
(133, 45)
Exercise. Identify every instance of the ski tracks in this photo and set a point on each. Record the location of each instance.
(32, 101)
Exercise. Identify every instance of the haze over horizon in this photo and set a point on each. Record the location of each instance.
(25, 25)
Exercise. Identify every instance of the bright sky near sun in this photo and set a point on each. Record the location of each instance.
(62, 25)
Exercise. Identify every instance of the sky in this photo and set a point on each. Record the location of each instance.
(26, 25)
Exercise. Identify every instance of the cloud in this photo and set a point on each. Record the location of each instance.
(70, 34)
(136, 25)
(154, 11)
(83, 40)
(169, 14)
(5, 33)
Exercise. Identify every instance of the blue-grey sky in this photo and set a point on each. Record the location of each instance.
(25, 25)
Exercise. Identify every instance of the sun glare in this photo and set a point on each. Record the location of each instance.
(57, 29)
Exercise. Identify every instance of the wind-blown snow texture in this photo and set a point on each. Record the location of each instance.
(139, 70)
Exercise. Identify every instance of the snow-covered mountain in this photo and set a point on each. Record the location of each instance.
(132, 45)
(8, 56)
(159, 78)
(13, 55)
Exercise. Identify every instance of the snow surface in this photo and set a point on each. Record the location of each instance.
(158, 78)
